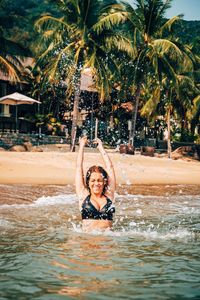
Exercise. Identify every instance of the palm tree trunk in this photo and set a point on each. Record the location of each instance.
(134, 117)
(169, 149)
(75, 116)
(182, 127)
(184, 124)
(96, 128)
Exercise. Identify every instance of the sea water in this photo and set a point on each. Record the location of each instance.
(152, 252)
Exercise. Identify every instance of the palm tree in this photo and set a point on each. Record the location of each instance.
(184, 101)
(179, 99)
(195, 113)
(83, 37)
(10, 63)
(156, 53)
(11, 52)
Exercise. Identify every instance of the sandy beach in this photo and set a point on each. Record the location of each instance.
(59, 168)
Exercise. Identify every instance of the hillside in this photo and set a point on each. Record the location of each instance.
(17, 18)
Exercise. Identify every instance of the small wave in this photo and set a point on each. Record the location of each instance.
(153, 234)
(45, 201)
(54, 200)
(178, 234)
(5, 223)
(167, 196)
(186, 210)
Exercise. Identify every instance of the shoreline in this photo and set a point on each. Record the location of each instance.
(47, 168)
(17, 194)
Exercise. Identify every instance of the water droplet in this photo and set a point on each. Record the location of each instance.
(139, 211)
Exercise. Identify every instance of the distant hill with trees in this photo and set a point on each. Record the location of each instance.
(17, 18)
(189, 33)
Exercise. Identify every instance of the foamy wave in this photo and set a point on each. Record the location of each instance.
(186, 210)
(147, 234)
(45, 201)
(54, 200)
(178, 234)
(5, 223)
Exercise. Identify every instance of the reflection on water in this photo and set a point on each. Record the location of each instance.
(153, 248)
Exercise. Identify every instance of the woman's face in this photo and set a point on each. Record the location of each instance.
(96, 183)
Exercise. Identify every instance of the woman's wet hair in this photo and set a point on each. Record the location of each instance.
(97, 169)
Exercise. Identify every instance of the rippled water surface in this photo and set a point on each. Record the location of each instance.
(151, 253)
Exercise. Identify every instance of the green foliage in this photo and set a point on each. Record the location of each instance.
(81, 38)
(18, 17)
(135, 50)
(50, 123)
(184, 136)
(10, 51)
(188, 32)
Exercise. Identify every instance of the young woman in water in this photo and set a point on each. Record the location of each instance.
(96, 191)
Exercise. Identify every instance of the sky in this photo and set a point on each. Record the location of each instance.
(190, 9)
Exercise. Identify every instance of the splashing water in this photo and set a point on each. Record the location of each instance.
(152, 249)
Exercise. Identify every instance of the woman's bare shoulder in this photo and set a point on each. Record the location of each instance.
(110, 195)
(82, 194)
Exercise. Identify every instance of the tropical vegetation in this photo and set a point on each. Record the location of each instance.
(145, 68)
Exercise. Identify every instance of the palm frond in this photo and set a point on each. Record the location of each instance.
(132, 16)
(43, 57)
(69, 6)
(103, 82)
(164, 6)
(108, 21)
(196, 101)
(187, 83)
(166, 46)
(120, 42)
(169, 24)
(47, 22)
(189, 59)
(195, 112)
(9, 70)
(90, 62)
(149, 107)
(77, 56)
(52, 67)
(170, 73)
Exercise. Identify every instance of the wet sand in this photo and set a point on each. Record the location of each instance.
(59, 169)
(26, 176)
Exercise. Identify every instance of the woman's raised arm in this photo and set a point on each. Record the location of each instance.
(79, 177)
(109, 169)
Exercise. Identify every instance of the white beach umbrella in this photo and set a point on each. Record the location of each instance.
(17, 99)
